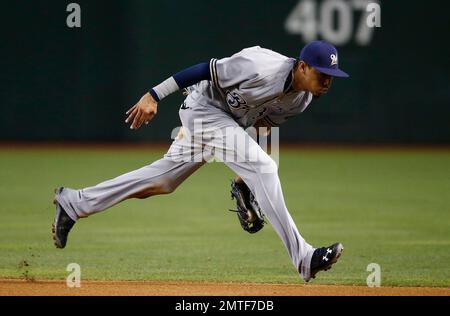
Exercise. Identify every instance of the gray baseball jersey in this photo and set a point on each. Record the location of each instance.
(252, 85)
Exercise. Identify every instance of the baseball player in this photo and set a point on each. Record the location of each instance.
(254, 87)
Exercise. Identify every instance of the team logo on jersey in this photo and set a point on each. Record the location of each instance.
(334, 59)
(235, 100)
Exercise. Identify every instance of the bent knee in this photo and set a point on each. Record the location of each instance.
(166, 187)
(156, 188)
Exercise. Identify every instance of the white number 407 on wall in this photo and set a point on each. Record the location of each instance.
(333, 20)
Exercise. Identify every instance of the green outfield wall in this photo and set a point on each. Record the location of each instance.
(61, 83)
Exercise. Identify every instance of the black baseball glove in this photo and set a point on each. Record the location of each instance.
(248, 211)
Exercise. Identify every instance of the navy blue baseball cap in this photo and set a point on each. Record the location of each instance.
(324, 57)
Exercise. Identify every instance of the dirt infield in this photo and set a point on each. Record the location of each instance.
(172, 288)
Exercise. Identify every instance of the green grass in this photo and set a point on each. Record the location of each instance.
(387, 207)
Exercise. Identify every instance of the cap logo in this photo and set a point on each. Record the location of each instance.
(334, 59)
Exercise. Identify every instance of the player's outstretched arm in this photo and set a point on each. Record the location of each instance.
(146, 108)
(142, 112)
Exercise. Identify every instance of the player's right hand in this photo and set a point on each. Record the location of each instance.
(142, 112)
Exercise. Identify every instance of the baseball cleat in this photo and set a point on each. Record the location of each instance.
(62, 224)
(323, 258)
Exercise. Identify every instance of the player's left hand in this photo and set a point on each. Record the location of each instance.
(142, 112)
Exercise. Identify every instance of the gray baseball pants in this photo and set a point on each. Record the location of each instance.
(219, 137)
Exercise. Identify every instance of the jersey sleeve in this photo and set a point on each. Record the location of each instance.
(234, 70)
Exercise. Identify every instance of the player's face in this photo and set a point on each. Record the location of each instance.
(313, 81)
(318, 83)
